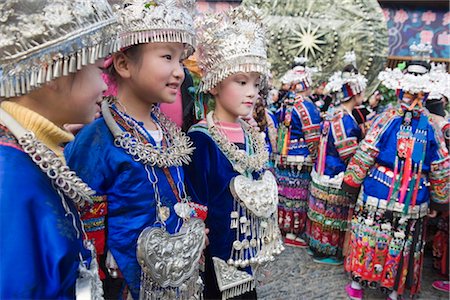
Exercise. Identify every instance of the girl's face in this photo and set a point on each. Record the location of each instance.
(80, 95)
(359, 98)
(236, 95)
(158, 74)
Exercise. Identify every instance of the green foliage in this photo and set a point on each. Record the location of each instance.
(388, 95)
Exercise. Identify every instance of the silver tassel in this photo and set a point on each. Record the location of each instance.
(65, 71)
(84, 57)
(23, 88)
(40, 76)
(73, 63)
(79, 60)
(2, 88)
(48, 78)
(56, 69)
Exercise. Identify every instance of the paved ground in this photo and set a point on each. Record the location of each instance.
(295, 276)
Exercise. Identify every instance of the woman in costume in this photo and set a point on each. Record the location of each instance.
(329, 206)
(133, 157)
(228, 169)
(401, 167)
(298, 139)
(435, 104)
(47, 81)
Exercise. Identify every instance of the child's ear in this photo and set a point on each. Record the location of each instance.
(121, 65)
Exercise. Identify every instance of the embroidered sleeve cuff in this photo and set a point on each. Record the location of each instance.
(200, 211)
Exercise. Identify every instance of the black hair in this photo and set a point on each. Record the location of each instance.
(424, 64)
(134, 53)
(350, 68)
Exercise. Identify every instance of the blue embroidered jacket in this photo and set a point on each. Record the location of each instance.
(39, 248)
(130, 196)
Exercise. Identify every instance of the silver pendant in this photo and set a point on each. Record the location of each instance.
(258, 196)
(171, 259)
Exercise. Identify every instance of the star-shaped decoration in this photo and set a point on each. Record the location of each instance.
(307, 41)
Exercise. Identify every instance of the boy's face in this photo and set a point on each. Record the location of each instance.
(159, 74)
(237, 93)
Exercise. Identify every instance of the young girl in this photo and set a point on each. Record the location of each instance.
(229, 161)
(328, 205)
(402, 167)
(133, 155)
(47, 80)
(298, 138)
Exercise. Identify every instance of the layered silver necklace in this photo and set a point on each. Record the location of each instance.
(177, 152)
(241, 161)
(68, 185)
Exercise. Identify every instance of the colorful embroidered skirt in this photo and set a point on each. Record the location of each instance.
(386, 250)
(441, 245)
(293, 199)
(328, 215)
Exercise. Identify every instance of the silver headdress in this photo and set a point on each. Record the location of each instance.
(347, 84)
(350, 58)
(300, 74)
(231, 42)
(415, 78)
(144, 21)
(440, 82)
(42, 40)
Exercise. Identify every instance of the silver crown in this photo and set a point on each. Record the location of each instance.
(350, 58)
(41, 40)
(231, 42)
(144, 21)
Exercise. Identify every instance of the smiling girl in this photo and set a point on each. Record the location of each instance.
(133, 155)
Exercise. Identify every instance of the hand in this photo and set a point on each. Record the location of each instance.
(201, 262)
(432, 213)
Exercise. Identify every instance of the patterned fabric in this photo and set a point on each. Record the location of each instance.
(40, 248)
(386, 251)
(293, 195)
(329, 209)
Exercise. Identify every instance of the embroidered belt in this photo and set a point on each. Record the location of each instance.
(374, 204)
(299, 161)
(330, 195)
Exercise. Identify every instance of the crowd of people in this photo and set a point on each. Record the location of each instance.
(120, 179)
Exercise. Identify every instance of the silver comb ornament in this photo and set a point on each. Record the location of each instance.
(143, 21)
(43, 40)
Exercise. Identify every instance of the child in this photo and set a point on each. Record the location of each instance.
(229, 161)
(50, 54)
(298, 139)
(133, 155)
(402, 167)
(329, 207)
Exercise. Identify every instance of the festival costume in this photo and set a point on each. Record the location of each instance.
(329, 206)
(142, 221)
(43, 254)
(402, 168)
(232, 184)
(435, 105)
(298, 139)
